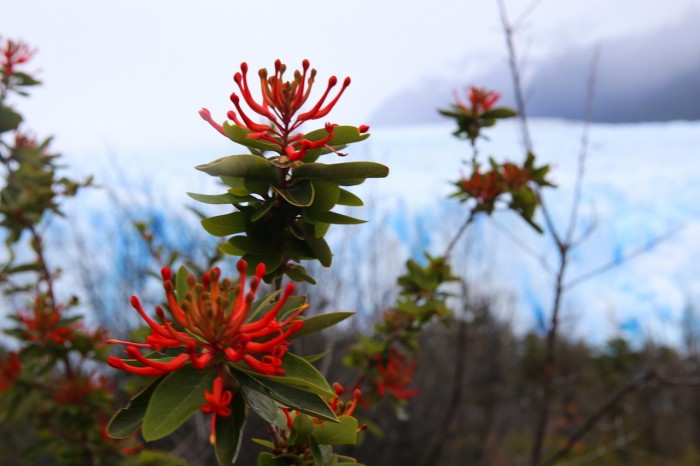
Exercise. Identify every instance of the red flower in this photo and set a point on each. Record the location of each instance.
(515, 176)
(44, 324)
(484, 187)
(10, 368)
(218, 402)
(76, 389)
(213, 318)
(395, 375)
(480, 100)
(280, 104)
(12, 54)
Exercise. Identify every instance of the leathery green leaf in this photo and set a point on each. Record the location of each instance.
(240, 135)
(229, 431)
(301, 194)
(174, 400)
(341, 433)
(291, 397)
(321, 321)
(224, 225)
(298, 373)
(127, 420)
(349, 199)
(340, 172)
(247, 166)
(264, 406)
(302, 427)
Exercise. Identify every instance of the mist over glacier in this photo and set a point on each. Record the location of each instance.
(641, 183)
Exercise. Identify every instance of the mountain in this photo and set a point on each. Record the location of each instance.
(653, 76)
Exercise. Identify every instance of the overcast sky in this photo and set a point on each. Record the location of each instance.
(129, 76)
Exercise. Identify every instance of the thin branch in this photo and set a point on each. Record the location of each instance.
(650, 378)
(583, 152)
(523, 245)
(618, 444)
(508, 31)
(610, 403)
(460, 232)
(628, 257)
(526, 13)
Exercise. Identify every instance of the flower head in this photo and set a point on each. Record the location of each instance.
(209, 323)
(395, 375)
(10, 368)
(280, 104)
(484, 187)
(13, 53)
(44, 324)
(213, 316)
(480, 100)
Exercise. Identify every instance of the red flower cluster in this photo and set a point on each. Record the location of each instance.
(395, 375)
(44, 324)
(281, 101)
(213, 317)
(12, 54)
(484, 187)
(10, 368)
(480, 100)
(75, 390)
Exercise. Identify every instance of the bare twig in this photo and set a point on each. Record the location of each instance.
(583, 152)
(460, 232)
(526, 13)
(523, 245)
(440, 437)
(508, 31)
(598, 453)
(650, 378)
(628, 257)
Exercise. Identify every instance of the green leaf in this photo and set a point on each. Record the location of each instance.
(300, 194)
(342, 135)
(181, 284)
(298, 373)
(268, 459)
(500, 112)
(225, 198)
(224, 225)
(312, 358)
(298, 274)
(175, 399)
(264, 406)
(291, 397)
(9, 119)
(262, 210)
(340, 172)
(229, 431)
(302, 427)
(25, 79)
(341, 433)
(336, 218)
(127, 420)
(240, 135)
(247, 166)
(247, 245)
(319, 322)
(320, 248)
(316, 453)
(348, 198)
(327, 194)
